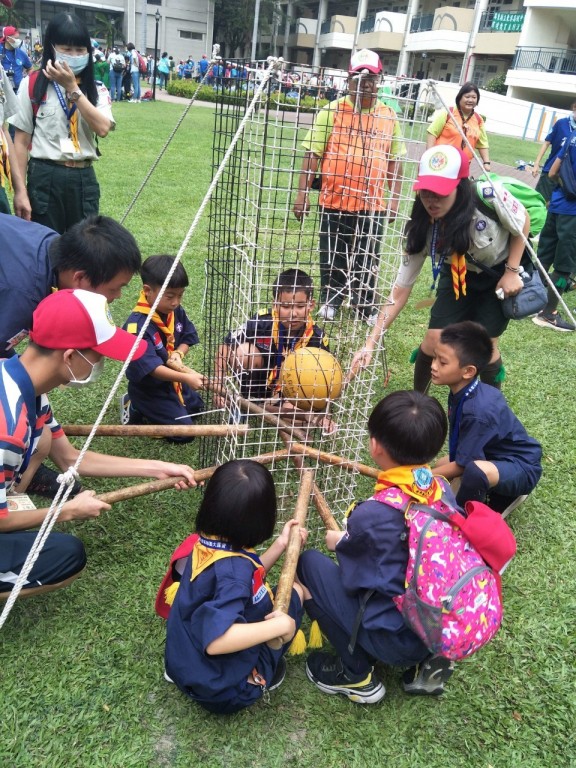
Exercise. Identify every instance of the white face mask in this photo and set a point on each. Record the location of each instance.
(93, 376)
(15, 42)
(76, 63)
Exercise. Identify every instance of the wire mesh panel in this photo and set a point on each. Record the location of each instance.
(254, 235)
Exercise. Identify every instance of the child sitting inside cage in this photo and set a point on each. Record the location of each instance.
(159, 393)
(256, 351)
(497, 461)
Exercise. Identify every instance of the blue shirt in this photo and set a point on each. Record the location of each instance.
(558, 202)
(489, 430)
(26, 275)
(560, 130)
(14, 60)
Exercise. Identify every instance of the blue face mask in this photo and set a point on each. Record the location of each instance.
(76, 63)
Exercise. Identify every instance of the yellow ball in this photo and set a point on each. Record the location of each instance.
(309, 377)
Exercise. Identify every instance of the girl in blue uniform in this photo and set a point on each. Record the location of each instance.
(225, 642)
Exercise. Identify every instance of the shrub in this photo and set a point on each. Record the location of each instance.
(497, 85)
(277, 100)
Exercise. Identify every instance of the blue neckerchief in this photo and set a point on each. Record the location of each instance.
(219, 544)
(436, 265)
(62, 100)
(17, 372)
(455, 423)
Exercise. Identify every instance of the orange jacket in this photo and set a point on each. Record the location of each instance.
(355, 162)
(451, 135)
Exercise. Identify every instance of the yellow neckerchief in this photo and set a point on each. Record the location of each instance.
(5, 174)
(73, 121)
(279, 344)
(458, 269)
(415, 480)
(206, 554)
(143, 308)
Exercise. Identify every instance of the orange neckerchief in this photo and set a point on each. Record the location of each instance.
(143, 308)
(416, 481)
(5, 175)
(458, 269)
(281, 345)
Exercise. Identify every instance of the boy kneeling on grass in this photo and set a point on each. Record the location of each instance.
(407, 430)
(489, 450)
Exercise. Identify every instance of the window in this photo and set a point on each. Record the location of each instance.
(154, 2)
(187, 34)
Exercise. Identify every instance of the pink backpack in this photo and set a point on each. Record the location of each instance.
(453, 598)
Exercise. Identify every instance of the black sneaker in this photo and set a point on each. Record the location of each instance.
(552, 320)
(279, 675)
(428, 678)
(328, 673)
(45, 483)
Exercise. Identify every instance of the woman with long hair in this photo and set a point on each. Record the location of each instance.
(61, 110)
(446, 126)
(475, 258)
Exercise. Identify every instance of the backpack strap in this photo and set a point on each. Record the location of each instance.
(32, 78)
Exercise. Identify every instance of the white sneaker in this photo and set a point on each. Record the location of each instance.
(327, 312)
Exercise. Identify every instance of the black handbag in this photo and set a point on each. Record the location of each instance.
(531, 299)
(566, 172)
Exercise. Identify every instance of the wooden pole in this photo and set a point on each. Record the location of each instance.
(155, 430)
(153, 486)
(286, 581)
(332, 458)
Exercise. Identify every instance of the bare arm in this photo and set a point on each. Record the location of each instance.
(430, 140)
(555, 168)
(21, 143)
(541, 152)
(308, 172)
(194, 379)
(83, 506)
(394, 179)
(511, 282)
(448, 469)
(276, 626)
(22, 207)
(61, 73)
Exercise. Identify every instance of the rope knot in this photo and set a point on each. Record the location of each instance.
(69, 477)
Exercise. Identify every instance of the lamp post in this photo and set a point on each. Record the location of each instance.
(157, 17)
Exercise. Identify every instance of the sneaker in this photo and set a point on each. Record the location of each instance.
(514, 504)
(279, 675)
(167, 677)
(552, 320)
(45, 483)
(327, 312)
(124, 409)
(428, 678)
(328, 673)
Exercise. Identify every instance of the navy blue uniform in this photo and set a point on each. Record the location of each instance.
(203, 610)
(155, 400)
(26, 276)
(258, 331)
(488, 430)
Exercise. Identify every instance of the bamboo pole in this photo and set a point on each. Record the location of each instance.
(332, 458)
(155, 430)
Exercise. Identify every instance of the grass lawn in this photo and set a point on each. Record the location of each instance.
(81, 671)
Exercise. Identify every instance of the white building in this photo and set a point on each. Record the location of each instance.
(185, 26)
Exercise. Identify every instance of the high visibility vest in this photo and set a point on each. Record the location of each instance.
(451, 135)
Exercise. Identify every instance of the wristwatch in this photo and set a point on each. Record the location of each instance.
(74, 95)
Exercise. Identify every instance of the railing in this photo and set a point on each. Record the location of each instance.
(494, 21)
(558, 60)
(422, 23)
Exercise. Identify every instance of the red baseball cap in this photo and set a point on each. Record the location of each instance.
(365, 61)
(77, 319)
(441, 168)
(7, 31)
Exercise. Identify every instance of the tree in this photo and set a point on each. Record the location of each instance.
(14, 17)
(105, 27)
(234, 20)
(497, 84)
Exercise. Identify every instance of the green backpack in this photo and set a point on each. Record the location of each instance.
(530, 199)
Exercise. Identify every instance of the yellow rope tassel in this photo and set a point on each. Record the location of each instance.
(170, 592)
(298, 644)
(458, 269)
(315, 638)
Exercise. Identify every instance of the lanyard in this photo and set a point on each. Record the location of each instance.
(455, 423)
(62, 100)
(436, 265)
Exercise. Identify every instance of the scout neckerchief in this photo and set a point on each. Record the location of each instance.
(455, 422)
(207, 551)
(71, 116)
(282, 343)
(16, 371)
(143, 308)
(5, 175)
(465, 120)
(416, 481)
(457, 264)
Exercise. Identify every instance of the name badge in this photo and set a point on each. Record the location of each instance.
(67, 147)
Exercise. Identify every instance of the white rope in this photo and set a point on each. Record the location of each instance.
(64, 490)
(533, 257)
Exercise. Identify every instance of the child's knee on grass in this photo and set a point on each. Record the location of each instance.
(490, 470)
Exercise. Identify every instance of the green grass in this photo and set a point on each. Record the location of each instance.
(81, 670)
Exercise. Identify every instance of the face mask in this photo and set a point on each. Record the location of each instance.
(76, 63)
(14, 42)
(93, 376)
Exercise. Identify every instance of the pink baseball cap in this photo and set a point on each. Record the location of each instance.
(441, 168)
(365, 61)
(77, 319)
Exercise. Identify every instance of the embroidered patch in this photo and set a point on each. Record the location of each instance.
(179, 327)
(487, 192)
(480, 225)
(423, 478)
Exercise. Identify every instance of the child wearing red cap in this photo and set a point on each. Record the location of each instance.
(72, 331)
